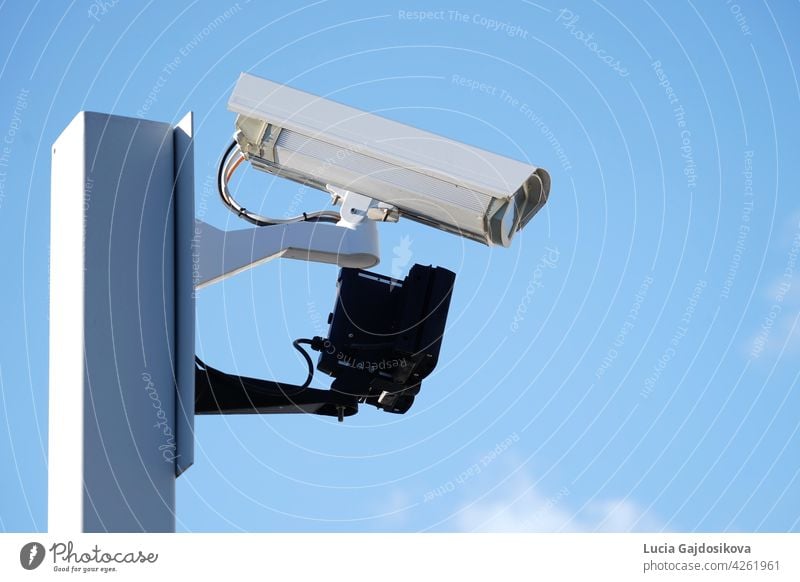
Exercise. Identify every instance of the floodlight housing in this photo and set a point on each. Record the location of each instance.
(426, 177)
(385, 334)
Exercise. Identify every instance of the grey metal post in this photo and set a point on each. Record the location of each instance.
(114, 412)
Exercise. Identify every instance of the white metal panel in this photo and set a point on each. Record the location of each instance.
(112, 391)
(65, 446)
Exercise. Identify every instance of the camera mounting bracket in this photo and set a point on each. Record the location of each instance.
(218, 392)
(219, 254)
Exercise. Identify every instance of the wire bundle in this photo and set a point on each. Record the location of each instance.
(231, 160)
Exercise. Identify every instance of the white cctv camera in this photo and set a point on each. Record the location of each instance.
(377, 168)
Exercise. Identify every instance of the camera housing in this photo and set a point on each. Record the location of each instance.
(385, 334)
(408, 172)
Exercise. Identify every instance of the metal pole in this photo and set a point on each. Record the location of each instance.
(113, 437)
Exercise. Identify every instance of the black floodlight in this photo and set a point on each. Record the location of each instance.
(385, 334)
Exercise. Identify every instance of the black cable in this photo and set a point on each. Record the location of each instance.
(237, 209)
(220, 378)
(296, 343)
(227, 153)
(221, 170)
(243, 213)
(210, 371)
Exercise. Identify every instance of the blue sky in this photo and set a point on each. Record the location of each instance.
(630, 363)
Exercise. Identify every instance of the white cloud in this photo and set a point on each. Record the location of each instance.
(779, 333)
(786, 336)
(523, 508)
(785, 288)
